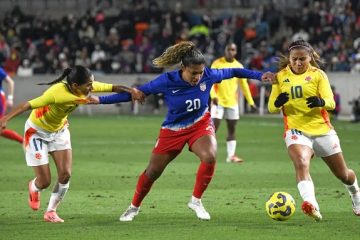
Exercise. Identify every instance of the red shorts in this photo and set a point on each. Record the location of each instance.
(170, 141)
(2, 104)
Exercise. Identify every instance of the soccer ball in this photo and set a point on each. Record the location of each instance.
(280, 206)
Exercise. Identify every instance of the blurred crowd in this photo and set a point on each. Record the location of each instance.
(127, 39)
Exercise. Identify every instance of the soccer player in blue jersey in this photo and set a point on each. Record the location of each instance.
(186, 93)
(7, 101)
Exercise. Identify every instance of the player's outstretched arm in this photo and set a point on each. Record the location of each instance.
(18, 110)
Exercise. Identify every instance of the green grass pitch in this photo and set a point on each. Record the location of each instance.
(110, 152)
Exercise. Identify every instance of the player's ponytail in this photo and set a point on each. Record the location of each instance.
(185, 53)
(78, 75)
(64, 74)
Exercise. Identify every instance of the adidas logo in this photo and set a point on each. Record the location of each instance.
(286, 80)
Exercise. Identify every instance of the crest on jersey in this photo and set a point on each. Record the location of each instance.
(203, 86)
(308, 78)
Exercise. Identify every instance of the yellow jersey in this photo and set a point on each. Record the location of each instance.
(296, 113)
(51, 109)
(227, 91)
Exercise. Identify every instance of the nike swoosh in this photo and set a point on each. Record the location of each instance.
(175, 91)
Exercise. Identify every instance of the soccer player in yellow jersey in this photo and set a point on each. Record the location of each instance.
(304, 96)
(46, 132)
(225, 100)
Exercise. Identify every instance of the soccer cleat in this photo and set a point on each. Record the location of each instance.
(199, 209)
(356, 203)
(234, 159)
(51, 216)
(311, 211)
(34, 198)
(129, 213)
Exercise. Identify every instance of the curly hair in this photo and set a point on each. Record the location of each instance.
(185, 53)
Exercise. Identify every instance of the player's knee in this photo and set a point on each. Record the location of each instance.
(209, 157)
(64, 177)
(301, 162)
(42, 183)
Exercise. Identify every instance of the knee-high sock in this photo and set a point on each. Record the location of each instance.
(203, 177)
(230, 147)
(307, 192)
(142, 188)
(10, 134)
(57, 195)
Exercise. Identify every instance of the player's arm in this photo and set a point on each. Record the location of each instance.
(10, 90)
(244, 86)
(153, 87)
(326, 98)
(275, 96)
(18, 110)
(44, 100)
(227, 73)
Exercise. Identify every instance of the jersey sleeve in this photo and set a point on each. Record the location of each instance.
(326, 92)
(246, 91)
(155, 86)
(44, 100)
(227, 73)
(275, 91)
(3, 74)
(102, 87)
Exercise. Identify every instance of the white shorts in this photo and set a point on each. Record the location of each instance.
(231, 113)
(322, 145)
(39, 142)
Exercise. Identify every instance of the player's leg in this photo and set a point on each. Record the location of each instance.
(155, 168)
(338, 166)
(231, 115)
(205, 148)
(217, 113)
(36, 154)
(63, 162)
(330, 150)
(231, 142)
(300, 152)
(7, 133)
(301, 155)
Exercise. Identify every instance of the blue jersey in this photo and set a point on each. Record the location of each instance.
(2, 77)
(186, 103)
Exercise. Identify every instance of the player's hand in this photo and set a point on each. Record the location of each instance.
(281, 99)
(137, 95)
(10, 103)
(268, 77)
(254, 108)
(92, 99)
(315, 101)
(215, 101)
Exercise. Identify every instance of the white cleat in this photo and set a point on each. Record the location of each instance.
(356, 203)
(199, 209)
(129, 213)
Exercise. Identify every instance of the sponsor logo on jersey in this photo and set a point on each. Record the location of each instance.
(308, 78)
(286, 80)
(175, 91)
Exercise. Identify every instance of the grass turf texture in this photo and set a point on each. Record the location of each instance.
(110, 152)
